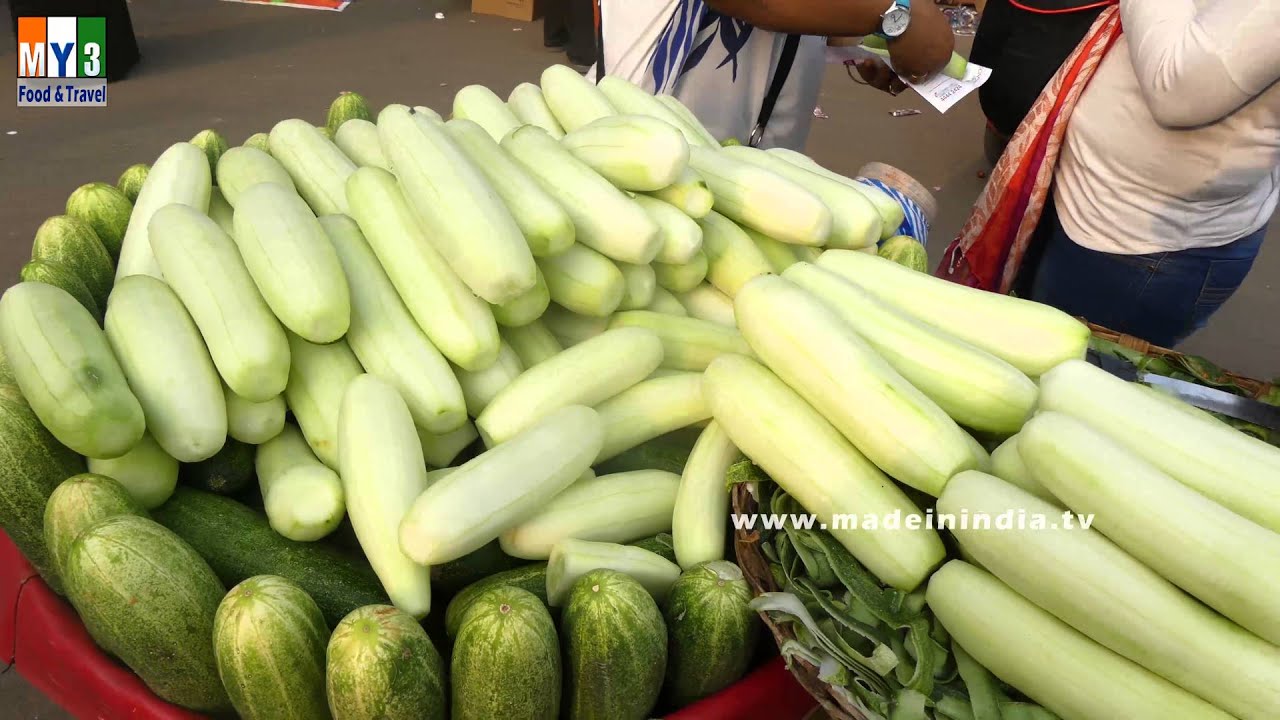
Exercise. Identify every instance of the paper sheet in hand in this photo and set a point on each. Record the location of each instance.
(940, 91)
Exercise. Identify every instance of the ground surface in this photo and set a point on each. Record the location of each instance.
(239, 68)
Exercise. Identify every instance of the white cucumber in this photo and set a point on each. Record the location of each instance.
(570, 328)
(762, 199)
(253, 422)
(681, 235)
(686, 116)
(732, 258)
(689, 193)
(702, 501)
(180, 175)
(572, 98)
(627, 97)
(530, 107)
(572, 558)
(584, 281)
(650, 409)
(481, 106)
(707, 303)
(442, 450)
(480, 387)
(318, 167)
(526, 308)
(634, 152)
(317, 381)
(302, 497)
(687, 343)
(358, 138)
(148, 472)
(682, 277)
(532, 342)
(666, 303)
(640, 284)
(240, 168)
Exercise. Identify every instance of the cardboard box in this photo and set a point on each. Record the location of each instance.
(526, 10)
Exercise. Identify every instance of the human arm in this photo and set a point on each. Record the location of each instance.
(1198, 64)
(924, 49)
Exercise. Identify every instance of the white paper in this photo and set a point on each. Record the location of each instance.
(944, 92)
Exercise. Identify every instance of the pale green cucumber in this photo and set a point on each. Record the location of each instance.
(303, 498)
(478, 104)
(815, 464)
(1007, 464)
(634, 152)
(640, 285)
(571, 559)
(584, 281)
(627, 97)
(573, 100)
(779, 254)
(585, 374)
(383, 474)
(220, 211)
(890, 210)
(385, 338)
(203, 266)
(146, 471)
(762, 199)
(240, 168)
(180, 175)
(605, 218)
(458, 323)
(689, 194)
(732, 258)
(442, 450)
(702, 501)
(318, 168)
(681, 235)
(532, 342)
(682, 277)
(547, 228)
(530, 107)
(292, 262)
(64, 366)
(253, 422)
(666, 303)
(480, 500)
(649, 409)
(526, 308)
(480, 387)
(318, 381)
(687, 117)
(687, 343)
(478, 235)
(168, 367)
(570, 328)
(358, 139)
(611, 508)
(707, 303)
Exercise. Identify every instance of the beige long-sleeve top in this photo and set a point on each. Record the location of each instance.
(1176, 142)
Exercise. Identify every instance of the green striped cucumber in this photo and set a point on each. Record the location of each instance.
(530, 107)
(146, 471)
(318, 168)
(615, 647)
(71, 243)
(229, 471)
(688, 343)
(532, 342)
(506, 659)
(63, 277)
(180, 175)
(457, 322)
(253, 422)
(526, 308)
(34, 465)
(238, 543)
(545, 225)
(131, 181)
(358, 139)
(240, 168)
(650, 409)
(346, 107)
(478, 236)
(712, 631)
(302, 497)
(571, 559)
(381, 664)
(906, 251)
(203, 266)
(104, 208)
(702, 502)
(531, 577)
(318, 380)
(384, 475)
(259, 141)
(585, 374)
(147, 598)
(292, 262)
(79, 502)
(168, 367)
(67, 372)
(385, 338)
(478, 104)
(269, 641)
(682, 277)
(213, 144)
(479, 388)
(610, 508)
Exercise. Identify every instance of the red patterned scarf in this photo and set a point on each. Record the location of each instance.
(991, 247)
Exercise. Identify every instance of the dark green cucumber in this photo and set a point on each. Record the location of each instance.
(449, 578)
(228, 472)
(381, 664)
(506, 659)
(712, 631)
(238, 543)
(80, 501)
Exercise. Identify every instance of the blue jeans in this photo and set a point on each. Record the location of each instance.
(1161, 297)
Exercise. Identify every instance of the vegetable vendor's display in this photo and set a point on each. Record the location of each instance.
(456, 408)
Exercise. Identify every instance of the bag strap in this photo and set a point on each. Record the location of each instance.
(785, 61)
(599, 41)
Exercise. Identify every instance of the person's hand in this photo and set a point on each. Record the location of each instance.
(880, 76)
(926, 46)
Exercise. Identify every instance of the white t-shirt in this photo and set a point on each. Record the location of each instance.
(1176, 141)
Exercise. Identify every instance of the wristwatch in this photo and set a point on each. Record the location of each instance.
(894, 21)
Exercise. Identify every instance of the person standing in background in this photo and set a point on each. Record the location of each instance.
(1170, 170)
(1024, 42)
(570, 26)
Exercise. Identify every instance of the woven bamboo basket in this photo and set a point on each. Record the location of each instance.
(755, 566)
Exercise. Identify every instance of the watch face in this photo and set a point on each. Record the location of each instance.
(896, 21)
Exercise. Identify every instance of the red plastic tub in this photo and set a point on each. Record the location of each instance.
(42, 636)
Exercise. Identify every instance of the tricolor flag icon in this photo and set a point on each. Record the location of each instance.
(62, 47)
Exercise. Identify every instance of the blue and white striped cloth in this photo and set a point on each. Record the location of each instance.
(916, 224)
(675, 43)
